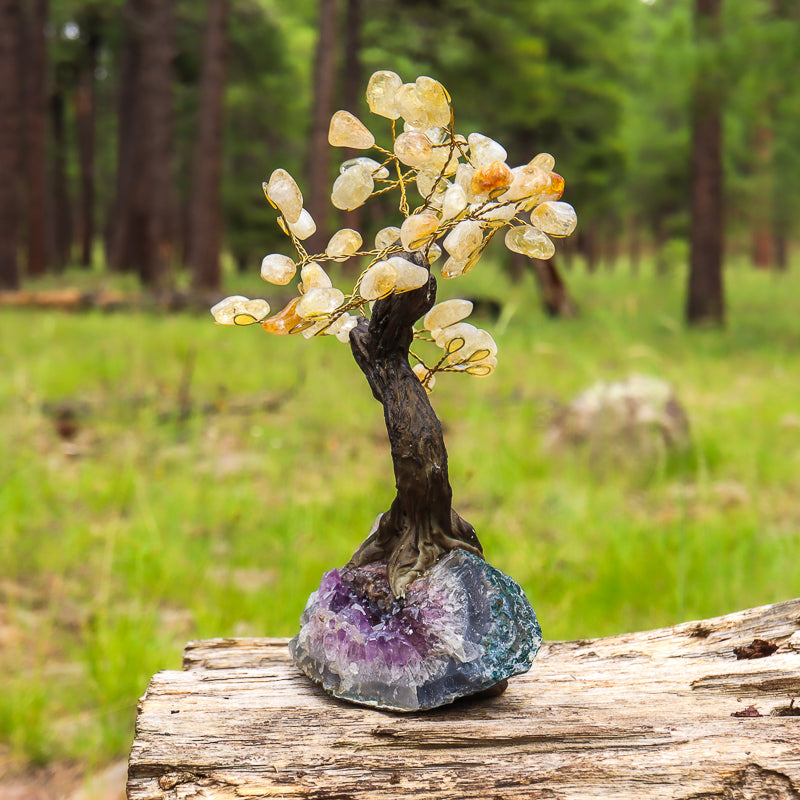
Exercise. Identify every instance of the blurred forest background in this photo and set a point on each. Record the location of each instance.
(136, 133)
(164, 479)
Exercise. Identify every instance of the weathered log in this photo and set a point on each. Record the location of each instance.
(693, 711)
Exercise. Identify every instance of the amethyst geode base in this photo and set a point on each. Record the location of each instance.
(463, 628)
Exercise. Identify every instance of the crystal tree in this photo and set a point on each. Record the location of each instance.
(416, 618)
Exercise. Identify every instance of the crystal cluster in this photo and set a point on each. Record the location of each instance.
(456, 192)
(463, 628)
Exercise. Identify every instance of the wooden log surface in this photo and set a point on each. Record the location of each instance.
(679, 712)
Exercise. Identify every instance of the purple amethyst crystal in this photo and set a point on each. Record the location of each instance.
(462, 628)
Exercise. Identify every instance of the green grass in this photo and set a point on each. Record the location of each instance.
(156, 527)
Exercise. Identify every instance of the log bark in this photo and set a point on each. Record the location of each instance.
(671, 713)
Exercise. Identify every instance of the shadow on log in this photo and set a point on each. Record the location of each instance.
(673, 713)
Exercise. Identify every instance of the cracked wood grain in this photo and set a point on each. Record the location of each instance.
(636, 715)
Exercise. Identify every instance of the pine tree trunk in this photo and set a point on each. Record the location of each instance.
(421, 525)
(705, 301)
(85, 119)
(154, 193)
(635, 245)
(555, 297)
(122, 247)
(10, 129)
(62, 213)
(205, 213)
(35, 76)
(319, 183)
(145, 210)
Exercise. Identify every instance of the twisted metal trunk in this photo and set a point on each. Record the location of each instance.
(421, 525)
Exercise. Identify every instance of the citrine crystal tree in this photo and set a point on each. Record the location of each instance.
(417, 618)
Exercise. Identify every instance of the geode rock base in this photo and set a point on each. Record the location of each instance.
(463, 628)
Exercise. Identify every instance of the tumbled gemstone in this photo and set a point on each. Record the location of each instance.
(483, 150)
(454, 201)
(556, 188)
(409, 275)
(530, 242)
(224, 311)
(494, 212)
(313, 328)
(426, 377)
(463, 178)
(465, 238)
(378, 171)
(411, 107)
(419, 127)
(477, 347)
(447, 313)
(316, 302)
(452, 268)
(482, 368)
(304, 227)
(386, 237)
(529, 181)
(285, 194)
(417, 229)
(333, 327)
(433, 252)
(413, 149)
(434, 99)
(431, 187)
(343, 333)
(352, 188)
(378, 281)
(347, 130)
(285, 320)
(491, 180)
(464, 342)
(550, 188)
(239, 310)
(555, 218)
(381, 91)
(455, 337)
(252, 311)
(545, 161)
(437, 134)
(439, 163)
(343, 244)
(277, 269)
(428, 181)
(314, 277)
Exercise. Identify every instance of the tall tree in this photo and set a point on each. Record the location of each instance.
(36, 118)
(324, 83)
(705, 299)
(11, 116)
(62, 212)
(145, 208)
(205, 220)
(85, 112)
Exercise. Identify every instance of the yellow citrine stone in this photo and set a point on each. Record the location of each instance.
(347, 130)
